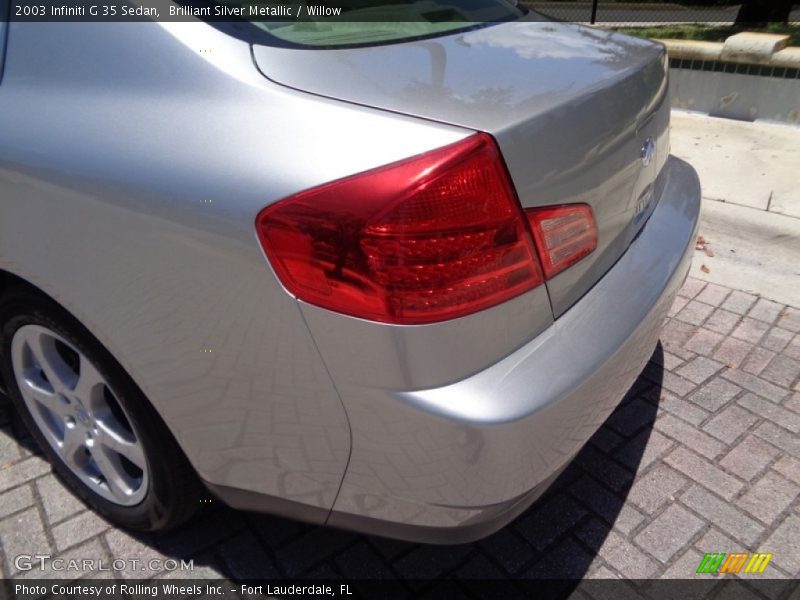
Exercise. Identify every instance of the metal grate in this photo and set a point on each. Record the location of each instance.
(728, 67)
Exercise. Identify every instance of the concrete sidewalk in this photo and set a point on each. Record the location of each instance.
(751, 213)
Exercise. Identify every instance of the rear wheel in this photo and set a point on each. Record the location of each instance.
(96, 427)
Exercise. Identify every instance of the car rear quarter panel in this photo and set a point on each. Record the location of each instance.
(132, 167)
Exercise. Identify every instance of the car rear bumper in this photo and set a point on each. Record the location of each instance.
(456, 463)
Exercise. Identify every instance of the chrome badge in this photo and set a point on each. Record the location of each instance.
(648, 151)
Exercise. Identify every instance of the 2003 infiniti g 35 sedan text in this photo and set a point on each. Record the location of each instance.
(387, 277)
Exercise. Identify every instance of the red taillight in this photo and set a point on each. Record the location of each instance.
(431, 238)
(563, 234)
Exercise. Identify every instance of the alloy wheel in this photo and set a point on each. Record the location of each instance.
(79, 415)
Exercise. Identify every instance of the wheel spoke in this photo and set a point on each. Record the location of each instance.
(88, 380)
(73, 442)
(112, 471)
(49, 400)
(114, 442)
(43, 348)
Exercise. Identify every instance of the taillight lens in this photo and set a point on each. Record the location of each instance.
(438, 236)
(563, 234)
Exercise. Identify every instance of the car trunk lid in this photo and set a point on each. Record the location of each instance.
(580, 114)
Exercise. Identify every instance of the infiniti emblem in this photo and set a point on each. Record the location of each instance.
(648, 151)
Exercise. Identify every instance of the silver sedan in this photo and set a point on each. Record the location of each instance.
(387, 275)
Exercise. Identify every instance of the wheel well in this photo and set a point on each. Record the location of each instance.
(9, 282)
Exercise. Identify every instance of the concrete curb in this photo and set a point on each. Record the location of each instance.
(743, 48)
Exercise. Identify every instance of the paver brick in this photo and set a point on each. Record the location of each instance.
(695, 313)
(715, 394)
(685, 567)
(703, 472)
(733, 352)
(605, 439)
(774, 412)
(644, 449)
(15, 500)
(600, 500)
(792, 350)
(657, 488)
(793, 402)
(618, 552)
(768, 497)
(739, 302)
(790, 319)
(627, 559)
(713, 294)
(22, 471)
(677, 305)
(697, 440)
(79, 528)
(723, 514)
(779, 437)
(777, 339)
(703, 341)
(631, 417)
(765, 310)
(692, 287)
(757, 360)
(568, 560)
(671, 361)
(754, 384)
(677, 384)
(138, 554)
(782, 370)
(789, 467)
(20, 534)
(244, 558)
(628, 519)
(699, 369)
(730, 423)
(750, 330)
(682, 408)
(782, 542)
(9, 448)
(507, 547)
(669, 532)
(604, 469)
(749, 457)
(58, 502)
(722, 322)
(675, 333)
(549, 522)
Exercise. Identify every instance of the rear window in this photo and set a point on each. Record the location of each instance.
(372, 22)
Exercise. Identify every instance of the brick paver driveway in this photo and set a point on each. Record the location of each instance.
(702, 456)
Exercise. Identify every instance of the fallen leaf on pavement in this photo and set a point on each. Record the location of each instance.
(705, 269)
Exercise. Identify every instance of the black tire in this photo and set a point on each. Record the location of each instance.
(174, 491)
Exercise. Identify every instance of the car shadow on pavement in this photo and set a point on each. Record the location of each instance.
(558, 537)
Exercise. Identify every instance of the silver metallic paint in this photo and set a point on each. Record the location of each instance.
(132, 167)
